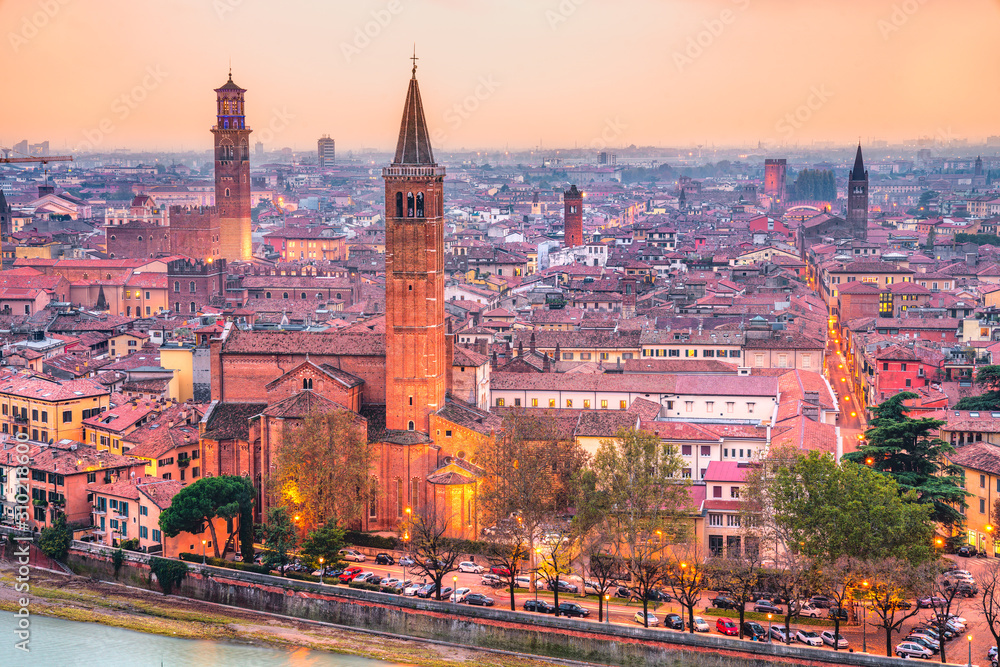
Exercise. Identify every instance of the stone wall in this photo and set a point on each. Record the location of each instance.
(489, 628)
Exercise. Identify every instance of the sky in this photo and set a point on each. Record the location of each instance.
(501, 74)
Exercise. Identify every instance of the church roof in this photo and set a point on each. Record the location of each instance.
(414, 145)
(229, 85)
(858, 173)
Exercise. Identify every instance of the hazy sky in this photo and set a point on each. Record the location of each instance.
(495, 73)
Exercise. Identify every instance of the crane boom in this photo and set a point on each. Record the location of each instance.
(43, 160)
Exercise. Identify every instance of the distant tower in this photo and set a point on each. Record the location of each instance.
(857, 198)
(573, 218)
(774, 179)
(6, 229)
(417, 359)
(979, 165)
(232, 172)
(326, 150)
(536, 206)
(258, 149)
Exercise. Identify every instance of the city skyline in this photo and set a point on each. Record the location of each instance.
(567, 74)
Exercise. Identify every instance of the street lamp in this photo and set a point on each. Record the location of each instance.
(203, 551)
(607, 609)
(864, 616)
(769, 617)
(454, 589)
(321, 569)
(970, 649)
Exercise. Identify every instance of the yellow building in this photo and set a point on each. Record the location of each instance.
(48, 410)
(179, 358)
(981, 463)
(126, 343)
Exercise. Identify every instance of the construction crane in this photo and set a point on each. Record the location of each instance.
(44, 159)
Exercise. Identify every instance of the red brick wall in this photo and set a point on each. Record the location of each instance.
(194, 232)
(137, 240)
(573, 222)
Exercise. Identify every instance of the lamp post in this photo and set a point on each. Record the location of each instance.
(607, 609)
(454, 590)
(321, 569)
(203, 551)
(970, 650)
(864, 617)
(769, 617)
(535, 573)
(406, 544)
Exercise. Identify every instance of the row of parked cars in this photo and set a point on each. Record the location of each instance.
(924, 640)
(818, 606)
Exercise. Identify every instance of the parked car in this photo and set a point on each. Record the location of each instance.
(406, 561)
(673, 621)
(500, 570)
(765, 607)
(699, 625)
(383, 558)
(931, 601)
(540, 606)
(363, 576)
(822, 601)
(564, 586)
(962, 587)
(348, 575)
(837, 612)
(412, 588)
(808, 637)
(913, 650)
(623, 592)
(810, 611)
(931, 646)
(425, 590)
(572, 609)
(591, 587)
(723, 602)
(469, 566)
(778, 632)
(650, 619)
(479, 600)
(352, 555)
(966, 550)
(754, 631)
(828, 638)
(727, 626)
(656, 595)
(460, 594)
(522, 582)
(374, 579)
(491, 580)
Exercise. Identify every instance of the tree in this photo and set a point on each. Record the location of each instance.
(505, 552)
(891, 581)
(684, 576)
(908, 450)
(795, 575)
(947, 590)
(280, 536)
(324, 543)
(55, 540)
(168, 572)
(603, 576)
(224, 496)
(555, 557)
(324, 468)
(839, 581)
(989, 579)
(740, 575)
(434, 554)
(633, 493)
(798, 501)
(931, 239)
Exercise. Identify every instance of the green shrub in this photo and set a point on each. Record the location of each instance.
(302, 576)
(170, 573)
(117, 560)
(55, 540)
(222, 562)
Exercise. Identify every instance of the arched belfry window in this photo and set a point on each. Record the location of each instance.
(410, 426)
(399, 204)
(409, 204)
(420, 204)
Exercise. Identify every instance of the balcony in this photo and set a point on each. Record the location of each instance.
(18, 419)
(183, 462)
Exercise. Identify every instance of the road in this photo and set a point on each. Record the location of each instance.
(851, 411)
(623, 612)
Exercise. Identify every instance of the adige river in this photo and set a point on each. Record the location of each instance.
(58, 643)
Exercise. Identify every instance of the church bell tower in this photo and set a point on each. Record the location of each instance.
(232, 172)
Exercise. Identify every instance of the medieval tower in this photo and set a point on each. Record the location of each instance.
(857, 199)
(416, 354)
(232, 172)
(573, 218)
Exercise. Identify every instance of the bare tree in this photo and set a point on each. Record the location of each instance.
(794, 577)
(603, 572)
(948, 590)
(990, 598)
(891, 581)
(434, 554)
(507, 549)
(740, 576)
(684, 574)
(555, 558)
(840, 581)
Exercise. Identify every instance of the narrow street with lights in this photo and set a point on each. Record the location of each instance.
(851, 421)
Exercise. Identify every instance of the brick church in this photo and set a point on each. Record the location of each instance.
(203, 233)
(853, 226)
(401, 376)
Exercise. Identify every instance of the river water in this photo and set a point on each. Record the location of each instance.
(59, 643)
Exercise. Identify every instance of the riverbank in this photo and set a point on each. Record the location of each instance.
(81, 599)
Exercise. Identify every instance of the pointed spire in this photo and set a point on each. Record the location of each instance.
(414, 144)
(858, 173)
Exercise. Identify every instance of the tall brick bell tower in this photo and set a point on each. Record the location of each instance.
(416, 354)
(232, 172)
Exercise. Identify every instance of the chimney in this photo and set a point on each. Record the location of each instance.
(546, 365)
(811, 397)
(811, 412)
(558, 352)
(520, 348)
(532, 342)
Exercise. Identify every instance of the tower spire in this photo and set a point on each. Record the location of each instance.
(859, 166)
(414, 59)
(414, 144)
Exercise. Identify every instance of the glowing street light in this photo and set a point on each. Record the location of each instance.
(769, 617)
(321, 569)
(869, 461)
(454, 590)
(607, 610)
(970, 649)
(203, 543)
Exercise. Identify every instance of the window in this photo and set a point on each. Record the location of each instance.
(750, 408)
(569, 402)
(733, 520)
(500, 402)
(191, 287)
(706, 450)
(143, 532)
(782, 361)
(156, 535)
(586, 403)
(409, 426)
(552, 402)
(604, 403)
(143, 510)
(686, 473)
(689, 406)
(34, 415)
(623, 404)
(45, 417)
(414, 493)
(734, 492)
(534, 402)
(806, 361)
(67, 416)
(709, 405)
(982, 506)
(982, 481)
(715, 520)
(177, 286)
(517, 402)
(567, 356)
(673, 353)
(716, 491)
(686, 450)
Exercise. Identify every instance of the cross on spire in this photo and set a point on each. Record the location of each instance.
(414, 59)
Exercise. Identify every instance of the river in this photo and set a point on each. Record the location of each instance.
(59, 643)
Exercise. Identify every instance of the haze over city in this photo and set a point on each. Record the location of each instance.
(510, 74)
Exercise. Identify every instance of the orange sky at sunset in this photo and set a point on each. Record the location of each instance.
(497, 73)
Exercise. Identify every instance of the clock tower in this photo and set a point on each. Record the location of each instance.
(232, 172)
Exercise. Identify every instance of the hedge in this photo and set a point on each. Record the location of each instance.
(222, 562)
(365, 586)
